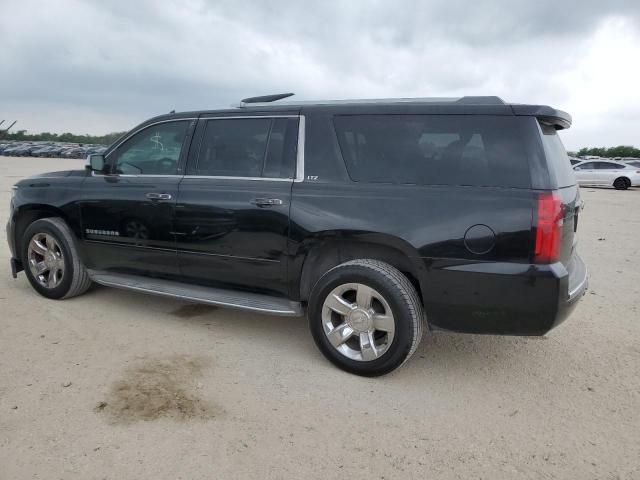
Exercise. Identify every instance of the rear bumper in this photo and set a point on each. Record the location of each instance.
(504, 298)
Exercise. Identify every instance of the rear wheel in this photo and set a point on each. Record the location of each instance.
(621, 183)
(51, 260)
(366, 317)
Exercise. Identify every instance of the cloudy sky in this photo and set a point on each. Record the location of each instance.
(96, 67)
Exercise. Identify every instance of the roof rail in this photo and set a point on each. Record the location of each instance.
(471, 100)
(484, 100)
(265, 98)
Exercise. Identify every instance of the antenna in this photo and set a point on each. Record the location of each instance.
(2, 132)
(264, 98)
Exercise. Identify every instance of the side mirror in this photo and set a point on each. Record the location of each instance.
(576, 168)
(96, 163)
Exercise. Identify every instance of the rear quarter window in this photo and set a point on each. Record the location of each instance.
(557, 160)
(609, 166)
(466, 150)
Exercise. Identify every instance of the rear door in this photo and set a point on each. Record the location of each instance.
(232, 215)
(607, 172)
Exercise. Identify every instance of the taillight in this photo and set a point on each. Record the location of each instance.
(548, 228)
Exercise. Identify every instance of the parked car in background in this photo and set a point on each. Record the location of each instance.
(23, 150)
(607, 173)
(49, 149)
(42, 151)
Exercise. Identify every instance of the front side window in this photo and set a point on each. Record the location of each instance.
(586, 166)
(476, 150)
(152, 151)
(248, 147)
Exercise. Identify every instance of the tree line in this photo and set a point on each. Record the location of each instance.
(619, 151)
(22, 135)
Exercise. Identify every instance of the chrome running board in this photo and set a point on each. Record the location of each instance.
(196, 293)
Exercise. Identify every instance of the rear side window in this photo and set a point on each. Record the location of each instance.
(608, 166)
(248, 147)
(557, 159)
(476, 150)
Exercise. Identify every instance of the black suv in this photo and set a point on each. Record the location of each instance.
(378, 218)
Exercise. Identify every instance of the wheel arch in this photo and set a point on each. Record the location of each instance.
(27, 214)
(327, 250)
(626, 179)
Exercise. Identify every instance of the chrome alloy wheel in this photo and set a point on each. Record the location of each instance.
(358, 321)
(46, 260)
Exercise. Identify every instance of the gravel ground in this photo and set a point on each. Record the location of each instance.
(117, 385)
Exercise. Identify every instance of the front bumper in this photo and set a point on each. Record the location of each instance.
(16, 264)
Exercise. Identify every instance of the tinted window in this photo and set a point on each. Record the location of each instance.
(476, 150)
(557, 159)
(153, 151)
(608, 166)
(281, 152)
(587, 166)
(256, 147)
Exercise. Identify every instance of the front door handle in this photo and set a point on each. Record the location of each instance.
(267, 202)
(158, 196)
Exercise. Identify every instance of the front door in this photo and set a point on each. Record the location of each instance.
(586, 173)
(128, 213)
(232, 215)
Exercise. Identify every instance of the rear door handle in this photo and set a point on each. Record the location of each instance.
(267, 202)
(158, 196)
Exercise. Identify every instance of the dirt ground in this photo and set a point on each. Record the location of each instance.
(115, 385)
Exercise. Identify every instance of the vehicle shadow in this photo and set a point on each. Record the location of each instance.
(440, 353)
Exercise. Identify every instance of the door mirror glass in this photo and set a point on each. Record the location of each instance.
(96, 163)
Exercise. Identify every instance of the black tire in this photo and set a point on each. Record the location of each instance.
(621, 183)
(75, 279)
(401, 297)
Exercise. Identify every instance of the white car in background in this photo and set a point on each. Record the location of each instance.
(607, 172)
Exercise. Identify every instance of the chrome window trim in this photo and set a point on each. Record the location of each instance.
(299, 154)
(213, 177)
(131, 175)
(224, 117)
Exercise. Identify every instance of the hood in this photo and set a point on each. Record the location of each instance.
(29, 181)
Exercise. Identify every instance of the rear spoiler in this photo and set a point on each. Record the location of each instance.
(557, 118)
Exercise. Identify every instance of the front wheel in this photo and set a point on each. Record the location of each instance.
(366, 317)
(51, 260)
